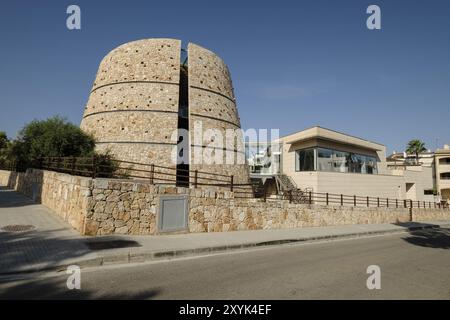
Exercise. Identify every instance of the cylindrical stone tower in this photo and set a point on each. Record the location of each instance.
(133, 106)
(213, 105)
(138, 105)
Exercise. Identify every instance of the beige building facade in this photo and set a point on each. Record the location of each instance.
(442, 160)
(326, 161)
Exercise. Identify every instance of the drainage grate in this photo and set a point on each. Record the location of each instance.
(112, 244)
(18, 228)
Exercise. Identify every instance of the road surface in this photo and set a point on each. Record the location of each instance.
(413, 266)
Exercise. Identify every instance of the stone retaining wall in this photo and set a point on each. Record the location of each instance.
(106, 206)
(68, 196)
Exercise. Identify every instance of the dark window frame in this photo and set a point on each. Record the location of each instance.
(316, 148)
(297, 159)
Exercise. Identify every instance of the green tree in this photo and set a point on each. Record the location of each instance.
(5, 146)
(416, 147)
(54, 137)
(3, 140)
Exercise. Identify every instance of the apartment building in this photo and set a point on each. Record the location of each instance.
(442, 161)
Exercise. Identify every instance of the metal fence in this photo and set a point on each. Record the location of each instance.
(101, 167)
(97, 167)
(9, 165)
(360, 201)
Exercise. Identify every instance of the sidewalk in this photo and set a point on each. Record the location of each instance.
(52, 244)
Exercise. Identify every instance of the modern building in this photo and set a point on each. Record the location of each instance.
(148, 97)
(418, 170)
(442, 160)
(402, 158)
(327, 161)
(438, 163)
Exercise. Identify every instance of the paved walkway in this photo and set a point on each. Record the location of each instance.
(53, 244)
(50, 243)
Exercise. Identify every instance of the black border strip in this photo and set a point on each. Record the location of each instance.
(128, 110)
(215, 92)
(223, 149)
(136, 81)
(214, 118)
(139, 142)
(162, 111)
(169, 144)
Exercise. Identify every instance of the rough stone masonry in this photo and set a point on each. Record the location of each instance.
(135, 110)
(108, 206)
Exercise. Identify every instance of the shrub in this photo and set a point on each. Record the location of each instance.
(54, 137)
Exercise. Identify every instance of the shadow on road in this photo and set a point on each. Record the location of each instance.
(37, 249)
(56, 288)
(433, 237)
(43, 249)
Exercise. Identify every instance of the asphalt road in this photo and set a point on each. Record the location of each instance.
(413, 266)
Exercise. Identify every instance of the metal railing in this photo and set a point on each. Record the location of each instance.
(363, 201)
(95, 167)
(98, 167)
(8, 165)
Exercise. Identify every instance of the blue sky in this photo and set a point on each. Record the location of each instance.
(294, 64)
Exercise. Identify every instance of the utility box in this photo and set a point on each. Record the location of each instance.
(173, 213)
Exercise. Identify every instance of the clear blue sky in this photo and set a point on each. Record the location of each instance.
(295, 64)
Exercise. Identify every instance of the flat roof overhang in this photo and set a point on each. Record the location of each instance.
(331, 135)
(442, 152)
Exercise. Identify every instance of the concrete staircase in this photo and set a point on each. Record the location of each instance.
(289, 190)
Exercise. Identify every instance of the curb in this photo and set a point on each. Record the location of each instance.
(126, 258)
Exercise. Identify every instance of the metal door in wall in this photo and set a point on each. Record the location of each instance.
(173, 213)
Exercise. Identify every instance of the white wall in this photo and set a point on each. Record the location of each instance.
(373, 185)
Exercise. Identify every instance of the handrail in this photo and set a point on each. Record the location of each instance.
(96, 168)
(364, 201)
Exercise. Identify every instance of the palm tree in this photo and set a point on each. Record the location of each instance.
(415, 147)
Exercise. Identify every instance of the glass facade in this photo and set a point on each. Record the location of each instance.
(305, 160)
(329, 160)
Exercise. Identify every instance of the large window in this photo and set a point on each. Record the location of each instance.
(331, 160)
(322, 159)
(305, 160)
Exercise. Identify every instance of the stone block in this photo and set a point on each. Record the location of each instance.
(99, 197)
(101, 184)
(99, 206)
(91, 227)
(121, 230)
(114, 185)
(119, 223)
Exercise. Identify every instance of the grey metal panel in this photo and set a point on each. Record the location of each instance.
(173, 213)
